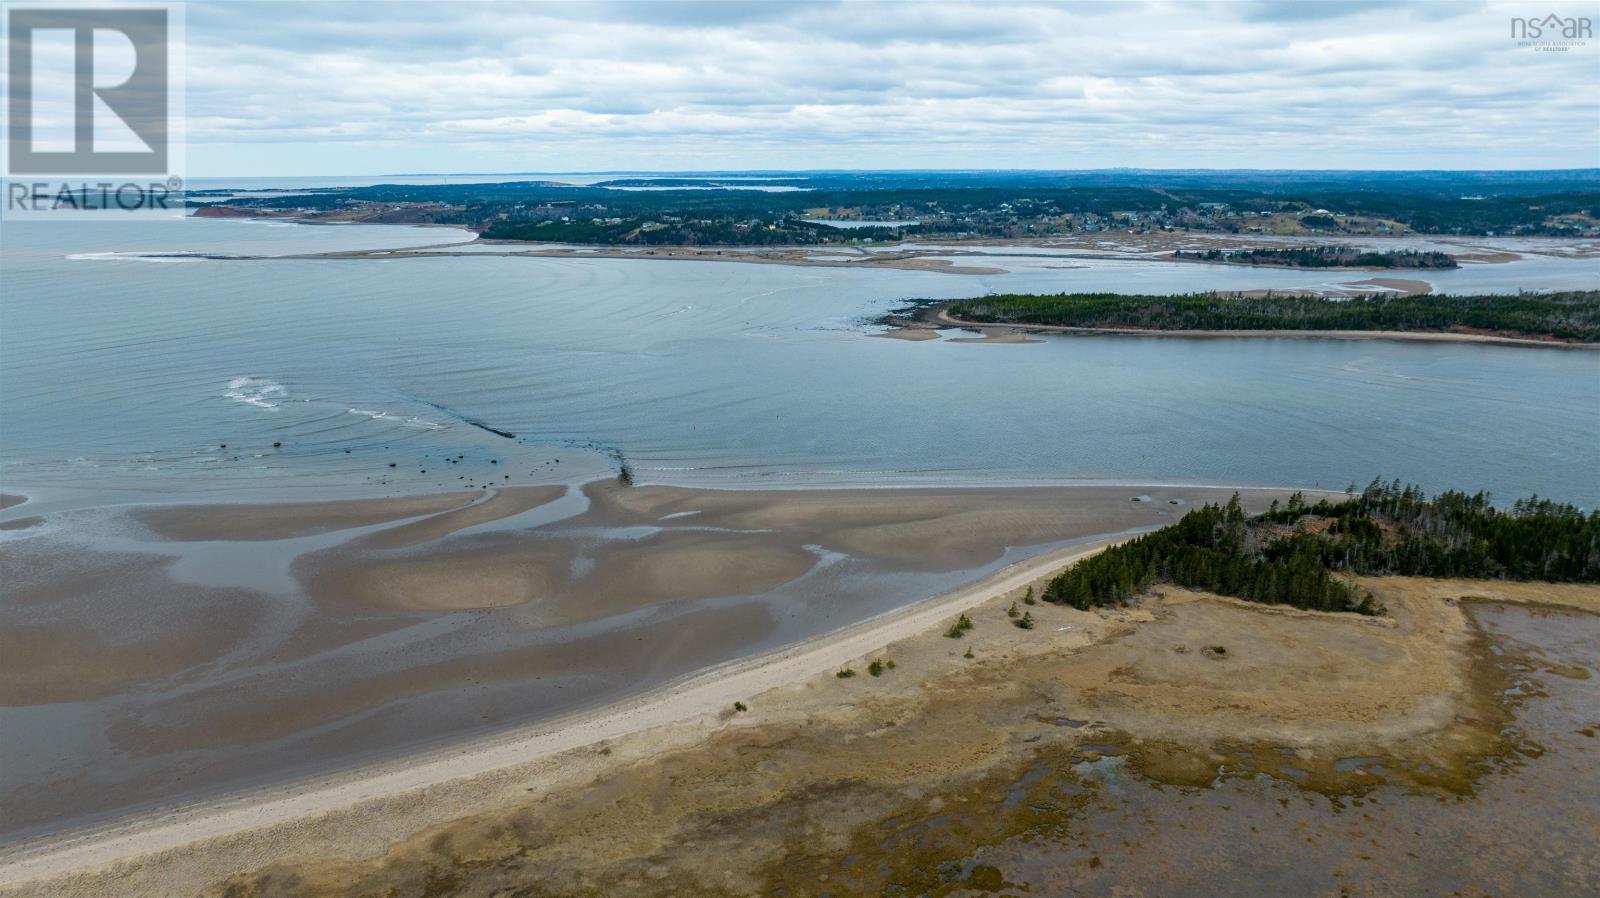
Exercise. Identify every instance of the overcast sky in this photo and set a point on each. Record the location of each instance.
(370, 88)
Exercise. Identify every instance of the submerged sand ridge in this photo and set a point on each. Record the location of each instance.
(313, 641)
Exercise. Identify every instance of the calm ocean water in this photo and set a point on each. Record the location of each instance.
(122, 375)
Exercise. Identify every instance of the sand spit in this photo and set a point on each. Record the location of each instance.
(7, 500)
(911, 334)
(996, 335)
(265, 522)
(1490, 257)
(680, 794)
(1409, 286)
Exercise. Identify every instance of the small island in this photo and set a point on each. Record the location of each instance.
(1321, 257)
(1545, 318)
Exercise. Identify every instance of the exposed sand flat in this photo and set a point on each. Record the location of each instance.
(341, 706)
(282, 521)
(77, 626)
(1404, 285)
(683, 565)
(676, 794)
(622, 576)
(502, 503)
(265, 659)
(52, 663)
(9, 499)
(912, 334)
(996, 335)
(908, 528)
(380, 794)
(711, 543)
(457, 581)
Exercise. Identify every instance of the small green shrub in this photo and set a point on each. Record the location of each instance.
(845, 674)
(962, 625)
(1028, 599)
(1025, 622)
(875, 668)
(1012, 611)
(740, 706)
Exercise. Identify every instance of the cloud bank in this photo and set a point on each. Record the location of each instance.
(292, 88)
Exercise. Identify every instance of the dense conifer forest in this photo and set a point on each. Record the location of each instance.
(1308, 555)
(1573, 316)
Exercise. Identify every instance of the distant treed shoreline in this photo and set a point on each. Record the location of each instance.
(1565, 317)
(1323, 257)
(801, 209)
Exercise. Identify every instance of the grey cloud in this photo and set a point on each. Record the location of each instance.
(623, 84)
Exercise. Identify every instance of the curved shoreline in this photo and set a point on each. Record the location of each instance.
(697, 698)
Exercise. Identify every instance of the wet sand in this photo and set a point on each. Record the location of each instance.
(1403, 285)
(165, 655)
(282, 521)
(911, 334)
(77, 627)
(996, 335)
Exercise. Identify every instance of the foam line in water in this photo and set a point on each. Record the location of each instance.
(258, 392)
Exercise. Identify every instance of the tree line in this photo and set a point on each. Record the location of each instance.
(1553, 202)
(1570, 316)
(1307, 555)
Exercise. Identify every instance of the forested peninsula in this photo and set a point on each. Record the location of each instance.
(1570, 317)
